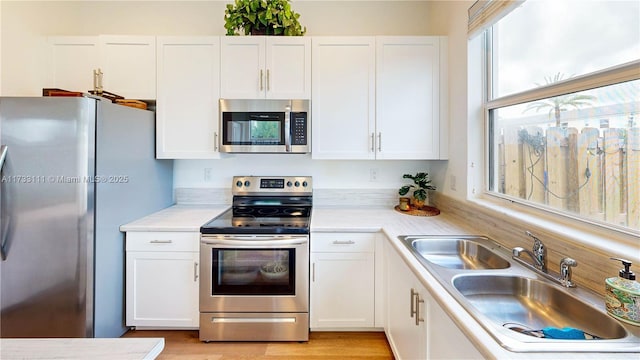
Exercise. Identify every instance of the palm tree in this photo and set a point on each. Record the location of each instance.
(559, 103)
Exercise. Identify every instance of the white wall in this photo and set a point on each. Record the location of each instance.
(327, 174)
(451, 20)
(24, 25)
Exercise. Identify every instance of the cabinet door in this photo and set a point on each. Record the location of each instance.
(442, 332)
(162, 289)
(407, 97)
(343, 97)
(242, 70)
(129, 65)
(188, 92)
(407, 339)
(342, 290)
(288, 67)
(71, 61)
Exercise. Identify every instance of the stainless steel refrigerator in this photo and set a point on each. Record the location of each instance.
(74, 170)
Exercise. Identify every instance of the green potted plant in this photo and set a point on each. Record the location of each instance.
(421, 184)
(262, 17)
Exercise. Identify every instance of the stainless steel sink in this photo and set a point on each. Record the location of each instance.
(522, 303)
(466, 253)
(508, 299)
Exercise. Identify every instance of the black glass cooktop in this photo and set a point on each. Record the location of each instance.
(263, 215)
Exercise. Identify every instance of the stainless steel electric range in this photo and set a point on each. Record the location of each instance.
(254, 274)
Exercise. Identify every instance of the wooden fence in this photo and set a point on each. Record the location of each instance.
(592, 172)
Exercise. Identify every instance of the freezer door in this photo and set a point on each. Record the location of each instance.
(47, 218)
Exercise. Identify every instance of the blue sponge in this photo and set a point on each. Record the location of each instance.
(564, 333)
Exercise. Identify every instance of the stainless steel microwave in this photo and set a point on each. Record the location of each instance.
(265, 126)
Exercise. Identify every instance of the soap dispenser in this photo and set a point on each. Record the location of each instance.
(622, 295)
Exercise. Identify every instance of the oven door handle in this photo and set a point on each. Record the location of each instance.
(287, 129)
(253, 241)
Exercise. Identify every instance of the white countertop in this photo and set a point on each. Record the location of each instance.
(176, 218)
(84, 348)
(369, 219)
(392, 223)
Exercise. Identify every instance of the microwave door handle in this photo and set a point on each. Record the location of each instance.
(287, 129)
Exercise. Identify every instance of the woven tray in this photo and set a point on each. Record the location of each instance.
(423, 211)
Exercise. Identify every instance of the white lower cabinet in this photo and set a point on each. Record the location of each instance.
(162, 280)
(343, 281)
(417, 327)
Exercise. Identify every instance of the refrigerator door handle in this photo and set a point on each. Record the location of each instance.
(3, 227)
(3, 155)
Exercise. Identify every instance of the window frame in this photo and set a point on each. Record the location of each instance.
(610, 76)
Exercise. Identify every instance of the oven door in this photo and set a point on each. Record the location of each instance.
(254, 273)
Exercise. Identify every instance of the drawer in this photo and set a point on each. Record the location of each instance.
(343, 242)
(162, 241)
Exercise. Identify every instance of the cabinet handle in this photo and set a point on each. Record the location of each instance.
(379, 142)
(373, 142)
(195, 271)
(261, 82)
(418, 302)
(413, 295)
(268, 80)
(215, 141)
(161, 241)
(348, 242)
(313, 272)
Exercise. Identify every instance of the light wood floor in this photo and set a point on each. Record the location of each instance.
(321, 345)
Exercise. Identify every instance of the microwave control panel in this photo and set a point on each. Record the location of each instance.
(298, 128)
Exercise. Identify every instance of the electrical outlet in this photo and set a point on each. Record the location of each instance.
(452, 182)
(373, 174)
(207, 175)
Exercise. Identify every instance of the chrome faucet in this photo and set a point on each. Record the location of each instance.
(539, 257)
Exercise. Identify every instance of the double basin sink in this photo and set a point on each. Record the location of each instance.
(514, 303)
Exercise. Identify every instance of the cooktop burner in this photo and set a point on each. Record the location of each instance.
(228, 223)
(266, 206)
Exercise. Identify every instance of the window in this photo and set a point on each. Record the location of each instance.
(564, 108)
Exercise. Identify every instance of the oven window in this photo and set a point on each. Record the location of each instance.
(253, 272)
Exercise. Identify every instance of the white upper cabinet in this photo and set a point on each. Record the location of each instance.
(271, 67)
(379, 98)
(188, 78)
(288, 67)
(72, 60)
(408, 97)
(343, 98)
(128, 64)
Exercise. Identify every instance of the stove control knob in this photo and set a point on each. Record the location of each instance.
(305, 184)
(289, 183)
(247, 183)
(297, 183)
(239, 183)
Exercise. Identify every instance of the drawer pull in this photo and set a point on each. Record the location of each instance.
(161, 241)
(419, 301)
(348, 242)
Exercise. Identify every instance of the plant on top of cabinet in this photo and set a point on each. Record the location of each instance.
(262, 17)
(421, 183)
